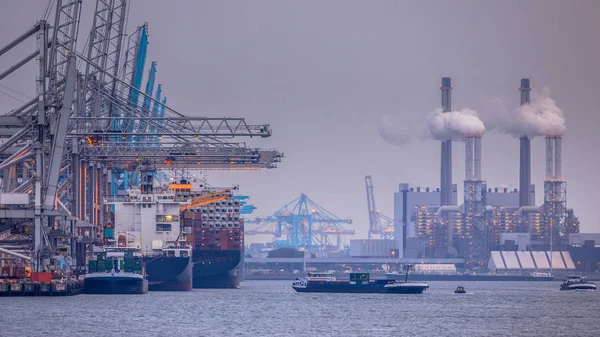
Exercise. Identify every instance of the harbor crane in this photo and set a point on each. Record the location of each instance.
(306, 225)
(379, 224)
(90, 125)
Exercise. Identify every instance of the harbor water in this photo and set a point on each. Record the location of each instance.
(273, 308)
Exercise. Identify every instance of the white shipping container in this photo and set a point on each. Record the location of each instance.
(14, 198)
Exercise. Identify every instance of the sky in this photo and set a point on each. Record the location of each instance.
(323, 74)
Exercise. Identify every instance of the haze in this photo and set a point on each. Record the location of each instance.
(323, 73)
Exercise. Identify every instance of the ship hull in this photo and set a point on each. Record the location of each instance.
(115, 285)
(216, 269)
(362, 288)
(581, 286)
(169, 273)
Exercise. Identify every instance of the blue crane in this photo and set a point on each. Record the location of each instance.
(306, 225)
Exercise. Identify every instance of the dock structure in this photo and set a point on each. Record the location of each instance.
(89, 132)
(29, 288)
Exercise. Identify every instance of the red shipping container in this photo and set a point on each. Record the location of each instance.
(41, 277)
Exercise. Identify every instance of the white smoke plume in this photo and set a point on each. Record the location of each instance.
(542, 117)
(454, 124)
(400, 129)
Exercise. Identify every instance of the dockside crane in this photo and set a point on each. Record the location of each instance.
(306, 225)
(65, 141)
(379, 224)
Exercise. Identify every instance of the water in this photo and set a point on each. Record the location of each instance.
(273, 308)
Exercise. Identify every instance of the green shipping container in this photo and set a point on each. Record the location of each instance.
(93, 266)
(109, 233)
(359, 277)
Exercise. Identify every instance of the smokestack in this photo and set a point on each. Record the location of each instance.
(558, 158)
(525, 153)
(469, 160)
(446, 167)
(549, 158)
(477, 158)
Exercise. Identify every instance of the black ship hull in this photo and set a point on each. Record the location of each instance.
(216, 269)
(401, 288)
(169, 273)
(115, 285)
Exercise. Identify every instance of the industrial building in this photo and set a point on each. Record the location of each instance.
(527, 262)
(429, 223)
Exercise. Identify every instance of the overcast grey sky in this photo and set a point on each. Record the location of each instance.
(322, 73)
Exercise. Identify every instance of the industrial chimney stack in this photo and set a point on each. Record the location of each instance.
(446, 167)
(525, 154)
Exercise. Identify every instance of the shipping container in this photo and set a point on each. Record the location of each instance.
(41, 277)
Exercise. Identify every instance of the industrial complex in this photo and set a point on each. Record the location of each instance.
(482, 232)
(97, 160)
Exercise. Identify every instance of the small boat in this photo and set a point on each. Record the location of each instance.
(460, 290)
(576, 282)
(325, 282)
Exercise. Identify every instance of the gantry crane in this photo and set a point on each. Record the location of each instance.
(65, 142)
(305, 224)
(378, 223)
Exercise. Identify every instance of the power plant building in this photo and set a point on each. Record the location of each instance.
(415, 210)
(428, 223)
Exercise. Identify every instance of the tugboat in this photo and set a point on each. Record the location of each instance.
(460, 290)
(576, 282)
(325, 282)
(115, 272)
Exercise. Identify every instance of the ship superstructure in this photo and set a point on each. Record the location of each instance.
(148, 219)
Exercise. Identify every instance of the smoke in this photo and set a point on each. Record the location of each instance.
(400, 129)
(454, 124)
(542, 117)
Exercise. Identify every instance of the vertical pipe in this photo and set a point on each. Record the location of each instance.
(469, 160)
(525, 153)
(477, 160)
(558, 158)
(84, 185)
(446, 170)
(549, 158)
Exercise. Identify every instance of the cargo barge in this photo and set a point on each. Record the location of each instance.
(116, 272)
(320, 282)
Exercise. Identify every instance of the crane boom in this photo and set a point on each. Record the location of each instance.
(206, 199)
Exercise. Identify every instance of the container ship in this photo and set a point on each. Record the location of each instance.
(148, 220)
(217, 240)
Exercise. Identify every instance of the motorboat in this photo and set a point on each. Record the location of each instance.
(576, 282)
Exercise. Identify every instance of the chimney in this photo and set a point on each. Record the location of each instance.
(446, 162)
(549, 158)
(469, 160)
(558, 158)
(525, 154)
